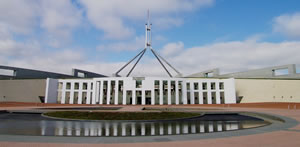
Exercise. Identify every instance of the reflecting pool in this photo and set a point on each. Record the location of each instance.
(35, 124)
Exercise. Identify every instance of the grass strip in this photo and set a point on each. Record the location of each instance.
(120, 115)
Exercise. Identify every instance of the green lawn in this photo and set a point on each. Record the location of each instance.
(120, 115)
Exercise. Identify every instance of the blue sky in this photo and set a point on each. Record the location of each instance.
(194, 35)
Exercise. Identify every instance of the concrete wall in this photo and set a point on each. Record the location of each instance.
(22, 90)
(266, 90)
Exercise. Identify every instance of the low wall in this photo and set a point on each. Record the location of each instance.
(22, 90)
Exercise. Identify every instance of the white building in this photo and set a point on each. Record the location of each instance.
(140, 91)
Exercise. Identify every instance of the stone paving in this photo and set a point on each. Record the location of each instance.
(288, 137)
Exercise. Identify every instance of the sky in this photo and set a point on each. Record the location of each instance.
(193, 35)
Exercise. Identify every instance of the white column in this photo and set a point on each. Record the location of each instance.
(209, 100)
(60, 128)
(97, 91)
(143, 97)
(219, 126)
(63, 93)
(152, 129)
(115, 129)
(210, 127)
(108, 92)
(202, 128)
(77, 128)
(234, 126)
(161, 129)
(153, 97)
(177, 128)
(124, 95)
(93, 130)
(86, 131)
(69, 128)
(94, 92)
(72, 93)
(132, 129)
(193, 128)
(101, 92)
(133, 97)
(123, 125)
(143, 129)
(88, 95)
(116, 92)
(184, 92)
(169, 93)
(107, 129)
(200, 93)
(100, 129)
(80, 93)
(185, 128)
(169, 128)
(177, 92)
(43, 128)
(161, 95)
(218, 99)
(192, 94)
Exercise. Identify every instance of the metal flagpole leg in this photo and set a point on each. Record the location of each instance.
(136, 63)
(129, 62)
(161, 63)
(168, 64)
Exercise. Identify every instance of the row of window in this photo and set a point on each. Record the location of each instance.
(139, 85)
(85, 97)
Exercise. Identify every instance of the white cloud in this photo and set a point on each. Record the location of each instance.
(131, 45)
(109, 16)
(237, 56)
(18, 16)
(167, 22)
(229, 56)
(288, 24)
(9, 47)
(57, 17)
(172, 49)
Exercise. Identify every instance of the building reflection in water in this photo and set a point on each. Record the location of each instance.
(85, 128)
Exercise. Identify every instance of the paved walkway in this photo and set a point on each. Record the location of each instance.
(289, 137)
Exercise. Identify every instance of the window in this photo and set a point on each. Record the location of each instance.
(68, 86)
(188, 86)
(221, 85)
(165, 87)
(213, 86)
(196, 86)
(120, 85)
(138, 84)
(81, 75)
(156, 84)
(60, 84)
(209, 75)
(279, 72)
(76, 86)
(7, 72)
(204, 86)
(84, 86)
